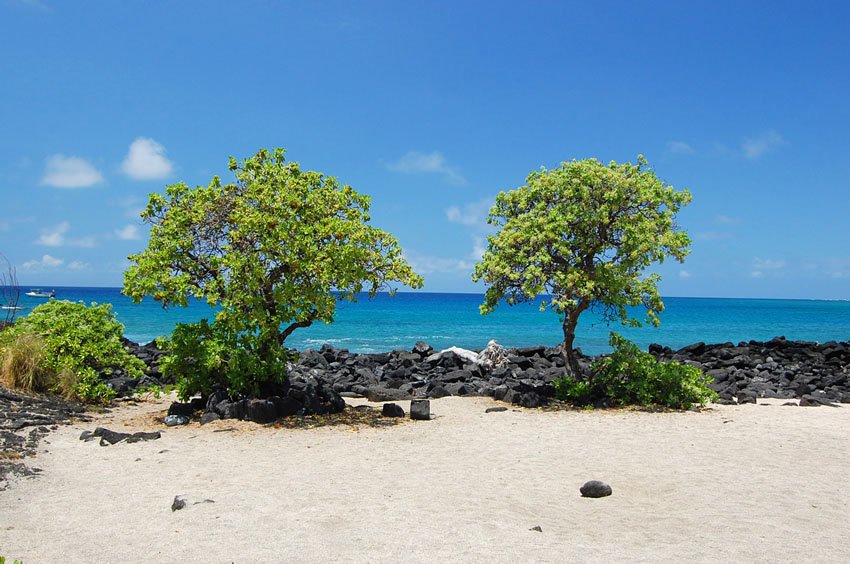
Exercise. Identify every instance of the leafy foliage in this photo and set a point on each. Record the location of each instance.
(629, 376)
(582, 235)
(276, 250)
(79, 343)
(207, 356)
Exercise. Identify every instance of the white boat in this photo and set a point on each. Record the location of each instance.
(11, 308)
(38, 293)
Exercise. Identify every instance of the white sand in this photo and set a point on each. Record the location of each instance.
(747, 483)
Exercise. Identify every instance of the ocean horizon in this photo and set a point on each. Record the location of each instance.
(453, 319)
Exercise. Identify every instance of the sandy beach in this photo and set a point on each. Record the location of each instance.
(746, 483)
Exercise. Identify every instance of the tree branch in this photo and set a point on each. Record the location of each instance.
(297, 325)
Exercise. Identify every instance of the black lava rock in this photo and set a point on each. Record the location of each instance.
(420, 410)
(178, 408)
(260, 411)
(209, 417)
(595, 488)
(392, 410)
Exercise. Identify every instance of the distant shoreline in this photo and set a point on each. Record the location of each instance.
(26, 287)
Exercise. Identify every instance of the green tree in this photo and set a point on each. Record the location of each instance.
(276, 249)
(583, 234)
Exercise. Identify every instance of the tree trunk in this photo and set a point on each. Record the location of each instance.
(569, 327)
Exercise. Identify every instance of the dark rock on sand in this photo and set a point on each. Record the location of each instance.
(177, 408)
(175, 420)
(178, 503)
(392, 410)
(778, 368)
(747, 396)
(209, 417)
(420, 410)
(260, 411)
(595, 488)
(109, 437)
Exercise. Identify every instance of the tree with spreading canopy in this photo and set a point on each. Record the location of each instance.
(581, 236)
(276, 249)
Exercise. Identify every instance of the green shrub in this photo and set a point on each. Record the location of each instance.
(24, 364)
(203, 357)
(80, 343)
(629, 376)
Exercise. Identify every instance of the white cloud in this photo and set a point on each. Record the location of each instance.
(429, 264)
(726, 220)
(684, 274)
(146, 160)
(473, 213)
(46, 261)
(754, 147)
(414, 162)
(680, 147)
(129, 233)
(78, 265)
(479, 246)
(55, 237)
(761, 265)
(70, 172)
(768, 264)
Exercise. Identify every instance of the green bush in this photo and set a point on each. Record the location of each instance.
(203, 357)
(629, 376)
(80, 343)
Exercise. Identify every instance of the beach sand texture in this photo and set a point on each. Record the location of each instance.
(743, 483)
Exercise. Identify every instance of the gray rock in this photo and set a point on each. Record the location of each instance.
(174, 420)
(497, 409)
(284, 407)
(438, 391)
(746, 396)
(230, 409)
(209, 417)
(178, 503)
(810, 400)
(177, 408)
(595, 488)
(420, 410)
(380, 393)
(423, 348)
(392, 410)
(260, 411)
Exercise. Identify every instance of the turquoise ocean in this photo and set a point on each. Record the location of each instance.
(443, 320)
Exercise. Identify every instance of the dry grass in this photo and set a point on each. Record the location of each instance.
(24, 365)
(66, 381)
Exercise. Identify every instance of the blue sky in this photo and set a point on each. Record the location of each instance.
(432, 108)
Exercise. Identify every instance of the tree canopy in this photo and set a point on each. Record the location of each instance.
(582, 236)
(276, 249)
